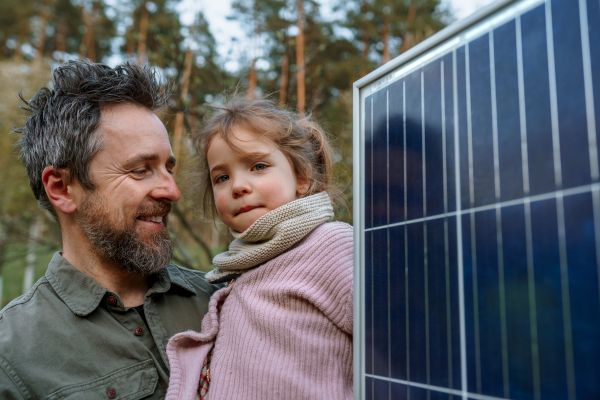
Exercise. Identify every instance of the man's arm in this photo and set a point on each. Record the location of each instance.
(11, 386)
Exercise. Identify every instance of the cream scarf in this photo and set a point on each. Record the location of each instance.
(271, 235)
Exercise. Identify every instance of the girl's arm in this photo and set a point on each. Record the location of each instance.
(332, 268)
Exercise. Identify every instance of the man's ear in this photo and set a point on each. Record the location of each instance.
(59, 189)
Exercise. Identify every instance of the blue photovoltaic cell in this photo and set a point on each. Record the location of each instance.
(548, 298)
(516, 282)
(593, 16)
(399, 391)
(381, 389)
(380, 151)
(508, 117)
(368, 163)
(438, 297)
(488, 298)
(414, 146)
(454, 374)
(517, 246)
(368, 302)
(584, 295)
(434, 156)
(463, 136)
(398, 355)
(396, 153)
(481, 121)
(417, 324)
(470, 292)
(380, 306)
(448, 110)
(572, 121)
(537, 101)
(369, 388)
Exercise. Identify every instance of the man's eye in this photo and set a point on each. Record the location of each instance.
(139, 172)
(221, 179)
(259, 167)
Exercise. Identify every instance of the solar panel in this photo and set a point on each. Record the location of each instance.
(477, 210)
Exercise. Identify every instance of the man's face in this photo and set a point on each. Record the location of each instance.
(125, 216)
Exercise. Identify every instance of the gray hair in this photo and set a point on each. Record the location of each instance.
(61, 127)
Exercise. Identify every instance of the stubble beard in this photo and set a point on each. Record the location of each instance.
(142, 253)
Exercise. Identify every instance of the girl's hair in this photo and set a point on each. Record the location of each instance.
(300, 139)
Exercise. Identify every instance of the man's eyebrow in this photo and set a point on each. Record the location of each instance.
(146, 157)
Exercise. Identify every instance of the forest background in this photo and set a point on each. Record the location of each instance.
(294, 54)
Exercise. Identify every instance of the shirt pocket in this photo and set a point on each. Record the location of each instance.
(129, 383)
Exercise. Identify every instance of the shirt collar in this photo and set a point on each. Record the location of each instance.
(82, 294)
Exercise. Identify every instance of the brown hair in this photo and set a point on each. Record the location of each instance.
(300, 139)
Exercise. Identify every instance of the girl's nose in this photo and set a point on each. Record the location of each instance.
(240, 187)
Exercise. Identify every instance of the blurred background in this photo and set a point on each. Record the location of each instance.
(305, 54)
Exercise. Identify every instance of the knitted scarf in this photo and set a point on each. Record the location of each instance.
(271, 235)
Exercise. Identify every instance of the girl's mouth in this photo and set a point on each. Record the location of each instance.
(246, 209)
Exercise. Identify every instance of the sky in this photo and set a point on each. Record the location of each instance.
(232, 40)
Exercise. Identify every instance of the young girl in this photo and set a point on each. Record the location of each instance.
(282, 328)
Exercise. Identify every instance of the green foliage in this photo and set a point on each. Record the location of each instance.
(337, 53)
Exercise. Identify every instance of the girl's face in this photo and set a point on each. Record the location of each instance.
(249, 184)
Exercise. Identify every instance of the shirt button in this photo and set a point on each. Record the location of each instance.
(112, 300)
(138, 331)
(111, 393)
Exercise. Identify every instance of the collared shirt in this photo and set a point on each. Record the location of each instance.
(70, 338)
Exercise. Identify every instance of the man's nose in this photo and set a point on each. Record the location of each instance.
(166, 189)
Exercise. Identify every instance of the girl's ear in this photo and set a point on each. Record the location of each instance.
(302, 188)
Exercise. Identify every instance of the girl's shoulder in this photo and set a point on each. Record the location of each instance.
(339, 230)
(329, 237)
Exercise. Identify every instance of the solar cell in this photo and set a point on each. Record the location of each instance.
(478, 210)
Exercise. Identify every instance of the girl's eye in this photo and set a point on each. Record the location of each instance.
(259, 167)
(221, 179)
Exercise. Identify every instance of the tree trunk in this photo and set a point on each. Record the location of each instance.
(410, 19)
(61, 38)
(385, 39)
(300, 57)
(143, 34)
(251, 93)
(35, 232)
(87, 49)
(285, 67)
(41, 36)
(90, 43)
(130, 45)
(179, 123)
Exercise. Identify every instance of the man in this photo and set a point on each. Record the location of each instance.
(97, 324)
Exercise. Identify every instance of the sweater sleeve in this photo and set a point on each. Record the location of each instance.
(331, 258)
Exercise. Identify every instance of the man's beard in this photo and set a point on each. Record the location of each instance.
(144, 254)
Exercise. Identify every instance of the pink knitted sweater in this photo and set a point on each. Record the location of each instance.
(284, 332)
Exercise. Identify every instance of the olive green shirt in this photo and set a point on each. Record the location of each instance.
(70, 338)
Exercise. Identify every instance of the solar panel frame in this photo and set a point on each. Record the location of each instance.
(439, 45)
